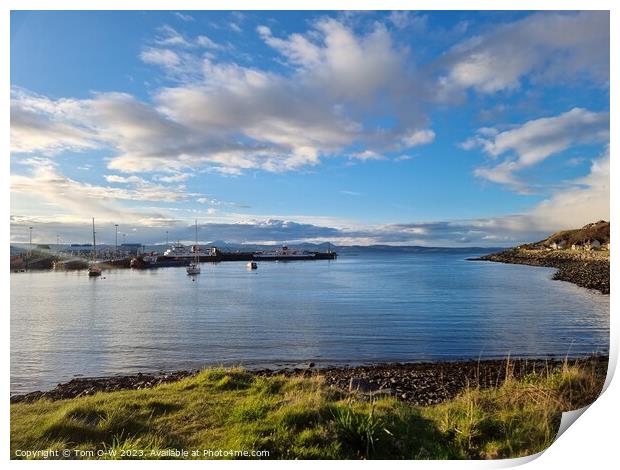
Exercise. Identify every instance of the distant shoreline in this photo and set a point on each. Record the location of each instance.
(589, 269)
(421, 383)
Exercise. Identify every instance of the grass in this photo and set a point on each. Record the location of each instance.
(302, 418)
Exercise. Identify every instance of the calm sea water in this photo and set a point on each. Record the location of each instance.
(359, 309)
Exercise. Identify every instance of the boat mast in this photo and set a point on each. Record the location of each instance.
(94, 243)
(196, 256)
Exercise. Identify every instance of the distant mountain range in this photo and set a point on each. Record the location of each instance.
(18, 248)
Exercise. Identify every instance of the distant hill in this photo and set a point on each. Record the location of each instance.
(581, 236)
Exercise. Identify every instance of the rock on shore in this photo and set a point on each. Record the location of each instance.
(588, 269)
(90, 385)
(416, 383)
(435, 382)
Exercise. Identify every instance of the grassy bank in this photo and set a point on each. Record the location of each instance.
(300, 417)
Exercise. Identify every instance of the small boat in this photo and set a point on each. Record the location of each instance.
(194, 267)
(252, 265)
(93, 269)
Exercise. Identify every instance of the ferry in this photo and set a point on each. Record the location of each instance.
(283, 254)
(179, 251)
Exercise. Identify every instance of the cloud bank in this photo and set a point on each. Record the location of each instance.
(338, 92)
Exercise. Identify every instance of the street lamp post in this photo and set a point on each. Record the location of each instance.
(116, 242)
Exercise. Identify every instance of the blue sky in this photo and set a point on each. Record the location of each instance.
(426, 128)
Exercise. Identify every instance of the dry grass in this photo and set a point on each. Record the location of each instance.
(303, 418)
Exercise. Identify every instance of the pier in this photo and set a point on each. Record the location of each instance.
(74, 261)
(148, 261)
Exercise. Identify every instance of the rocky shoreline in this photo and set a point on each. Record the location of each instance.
(583, 268)
(417, 383)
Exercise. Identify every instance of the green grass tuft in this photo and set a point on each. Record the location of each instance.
(302, 418)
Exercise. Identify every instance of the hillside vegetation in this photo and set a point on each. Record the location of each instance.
(594, 231)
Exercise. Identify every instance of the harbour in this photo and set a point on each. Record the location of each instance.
(176, 255)
(365, 308)
(309, 234)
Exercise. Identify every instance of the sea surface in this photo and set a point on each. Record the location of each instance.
(361, 308)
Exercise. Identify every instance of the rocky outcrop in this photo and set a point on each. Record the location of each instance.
(588, 269)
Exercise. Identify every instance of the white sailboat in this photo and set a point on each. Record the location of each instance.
(93, 269)
(194, 266)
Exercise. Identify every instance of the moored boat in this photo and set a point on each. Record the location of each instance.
(284, 254)
(93, 269)
(180, 251)
(194, 266)
(154, 261)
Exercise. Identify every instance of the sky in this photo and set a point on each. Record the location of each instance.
(423, 128)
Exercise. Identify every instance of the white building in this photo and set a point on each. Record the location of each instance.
(558, 245)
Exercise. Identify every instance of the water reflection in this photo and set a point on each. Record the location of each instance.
(359, 309)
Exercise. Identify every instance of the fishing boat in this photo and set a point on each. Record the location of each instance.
(194, 267)
(93, 269)
(252, 265)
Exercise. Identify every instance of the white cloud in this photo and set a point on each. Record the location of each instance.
(419, 137)
(366, 155)
(183, 16)
(223, 117)
(41, 124)
(229, 118)
(297, 48)
(47, 181)
(174, 178)
(586, 200)
(548, 47)
(408, 19)
(163, 57)
(171, 37)
(168, 39)
(535, 141)
(346, 66)
(581, 201)
(123, 179)
(235, 27)
(205, 41)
